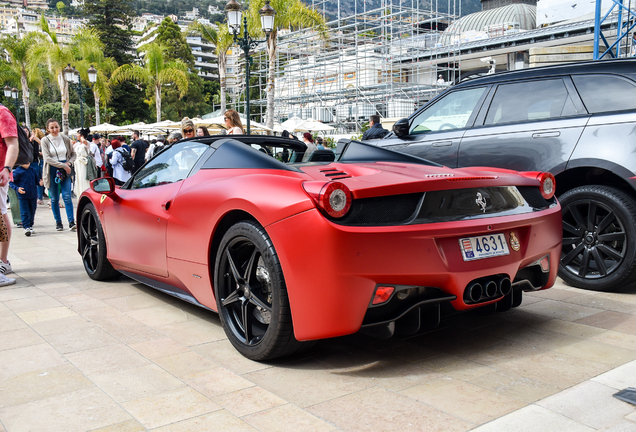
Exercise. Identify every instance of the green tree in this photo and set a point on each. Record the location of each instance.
(193, 104)
(61, 8)
(49, 91)
(212, 91)
(54, 111)
(17, 50)
(169, 35)
(221, 38)
(111, 20)
(128, 104)
(289, 14)
(105, 66)
(57, 55)
(155, 73)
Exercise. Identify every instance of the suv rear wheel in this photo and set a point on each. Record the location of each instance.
(599, 238)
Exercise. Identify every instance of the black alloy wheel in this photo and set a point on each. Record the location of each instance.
(251, 295)
(599, 238)
(93, 246)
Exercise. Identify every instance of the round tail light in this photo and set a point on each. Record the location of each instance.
(547, 185)
(335, 199)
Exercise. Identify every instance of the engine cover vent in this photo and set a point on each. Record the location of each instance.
(335, 174)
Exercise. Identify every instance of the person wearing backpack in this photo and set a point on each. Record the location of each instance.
(118, 159)
(59, 156)
(9, 150)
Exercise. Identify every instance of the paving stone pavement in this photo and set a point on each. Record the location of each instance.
(81, 355)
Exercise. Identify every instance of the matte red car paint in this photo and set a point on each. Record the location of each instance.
(136, 226)
(330, 270)
(329, 292)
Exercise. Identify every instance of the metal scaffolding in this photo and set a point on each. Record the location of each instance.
(617, 40)
(359, 70)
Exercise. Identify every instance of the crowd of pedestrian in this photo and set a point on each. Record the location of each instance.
(62, 166)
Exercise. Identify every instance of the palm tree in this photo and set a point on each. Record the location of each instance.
(289, 14)
(221, 38)
(102, 87)
(17, 49)
(155, 73)
(57, 56)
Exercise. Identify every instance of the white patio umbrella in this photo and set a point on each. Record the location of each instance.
(135, 126)
(105, 128)
(291, 124)
(141, 127)
(165, 126)
(296, 124)
(314, 125)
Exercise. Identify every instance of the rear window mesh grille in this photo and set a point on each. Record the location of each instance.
(388, 210)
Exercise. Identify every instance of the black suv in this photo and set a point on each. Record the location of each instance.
(577, 121)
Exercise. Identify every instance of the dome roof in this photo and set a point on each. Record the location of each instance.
(525, 15)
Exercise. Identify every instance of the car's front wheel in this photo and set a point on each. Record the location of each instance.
(599, 238)
(251, 296)
(92, 245)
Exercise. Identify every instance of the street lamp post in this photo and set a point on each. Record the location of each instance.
(73, 78)
(233, 10)
(13, 92)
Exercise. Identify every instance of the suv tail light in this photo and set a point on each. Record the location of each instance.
(547, 185)
(334, 198)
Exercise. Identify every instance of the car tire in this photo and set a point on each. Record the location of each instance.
(92, 245)
(599, 238)
(251, 295)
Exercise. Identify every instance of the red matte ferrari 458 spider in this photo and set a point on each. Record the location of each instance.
(364, 238)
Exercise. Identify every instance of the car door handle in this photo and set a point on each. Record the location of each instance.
(546, 134)
(441, 143)
(166, 205)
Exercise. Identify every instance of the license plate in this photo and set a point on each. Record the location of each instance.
(487, 246)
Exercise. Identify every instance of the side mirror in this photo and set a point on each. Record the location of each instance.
(401, 127)
(104, 185)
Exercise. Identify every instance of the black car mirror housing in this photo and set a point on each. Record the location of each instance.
(401, 127)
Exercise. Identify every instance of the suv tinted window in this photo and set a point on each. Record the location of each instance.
(528, 101)
(450, 112)
(603, 93)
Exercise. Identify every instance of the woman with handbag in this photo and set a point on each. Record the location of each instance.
(58, 155)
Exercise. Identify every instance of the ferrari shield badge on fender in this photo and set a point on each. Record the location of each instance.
(102, 199)
(514, 242)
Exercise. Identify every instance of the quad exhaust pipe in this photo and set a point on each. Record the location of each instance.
(474, 292)
(505, 286)
(487, 288)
